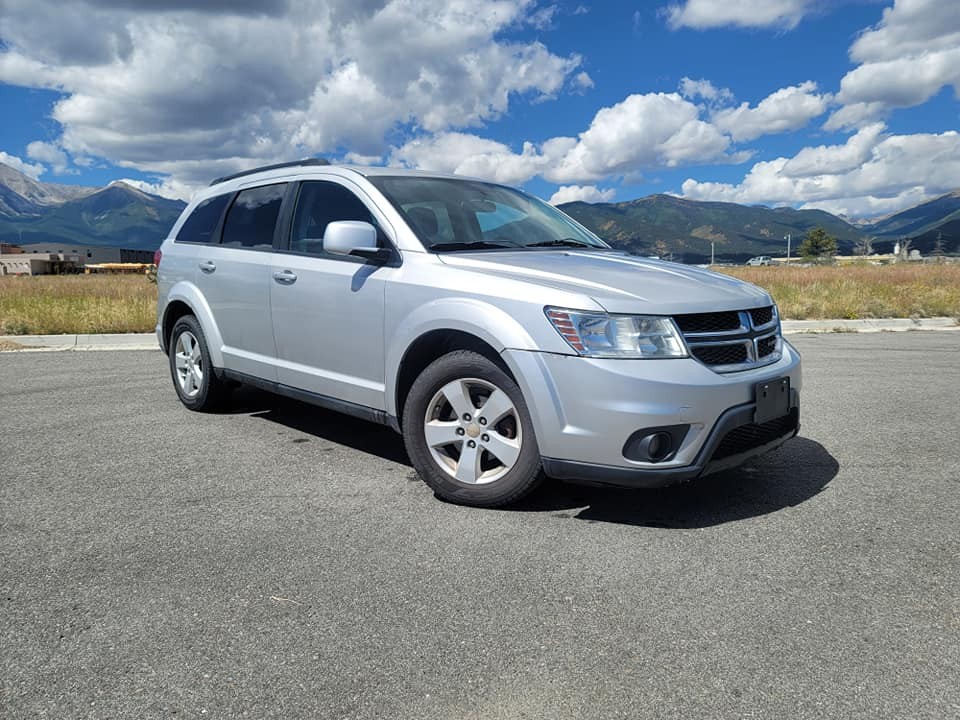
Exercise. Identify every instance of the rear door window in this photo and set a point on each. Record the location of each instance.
(252, 219)
(203, 221)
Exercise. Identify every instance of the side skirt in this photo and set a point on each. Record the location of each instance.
(325, 401)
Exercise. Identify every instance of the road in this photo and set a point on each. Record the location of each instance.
(283, 561)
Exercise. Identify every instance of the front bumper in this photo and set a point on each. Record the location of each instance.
(584, 410)
(717, 454)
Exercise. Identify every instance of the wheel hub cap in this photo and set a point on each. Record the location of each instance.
(479, 450)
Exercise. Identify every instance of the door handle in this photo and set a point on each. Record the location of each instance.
(208, 267)
(285, 277)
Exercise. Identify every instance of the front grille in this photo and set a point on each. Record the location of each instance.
(708, 322)
(747, 437)
(730, 341)
(761, 316)
(766, 345)
(721, 354)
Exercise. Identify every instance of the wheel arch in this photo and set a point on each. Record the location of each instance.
(444, 327)
(185, 299)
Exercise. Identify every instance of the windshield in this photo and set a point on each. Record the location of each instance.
(449, 215)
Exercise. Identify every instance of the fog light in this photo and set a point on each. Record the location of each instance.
(655, 444)
(658, 445)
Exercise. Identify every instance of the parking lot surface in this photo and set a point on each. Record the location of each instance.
(279, 560)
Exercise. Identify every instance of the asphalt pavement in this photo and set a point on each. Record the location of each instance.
(279, 560)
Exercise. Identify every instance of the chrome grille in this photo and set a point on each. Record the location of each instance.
(731, 341)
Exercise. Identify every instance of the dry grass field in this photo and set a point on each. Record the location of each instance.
(127, 303)
(51, 304)
(859, 291)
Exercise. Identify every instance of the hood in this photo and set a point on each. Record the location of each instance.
(620, 283)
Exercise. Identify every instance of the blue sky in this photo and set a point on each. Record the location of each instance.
(849, 106)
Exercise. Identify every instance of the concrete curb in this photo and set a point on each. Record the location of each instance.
(148, 341)
(794, 327)
(111, 341)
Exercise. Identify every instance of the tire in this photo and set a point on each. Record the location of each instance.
(502, 461)
(192, 371)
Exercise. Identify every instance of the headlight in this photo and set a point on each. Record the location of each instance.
(618, 336)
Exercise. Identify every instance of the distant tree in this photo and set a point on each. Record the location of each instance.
(938, 247)
(864, 246)
(818, 244)
(660, 248)
(905, 244)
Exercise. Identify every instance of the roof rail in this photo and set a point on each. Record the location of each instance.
(293, 163)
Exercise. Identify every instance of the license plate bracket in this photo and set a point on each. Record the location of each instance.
(773, 400)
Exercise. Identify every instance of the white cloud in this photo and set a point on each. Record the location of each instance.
(704, 14)
(465, 154)
(786, 109)
(582, 82)
(834, 159)
(641, 131)
(692, 89)
(50, 154)
(358, 159)
(895, 171)
(582, 193)
(170, 189)
(31, 170)
(167, 87)
(903, 61)
(542, 18)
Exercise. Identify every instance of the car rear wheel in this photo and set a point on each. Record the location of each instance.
(468, 432)
(190, 367)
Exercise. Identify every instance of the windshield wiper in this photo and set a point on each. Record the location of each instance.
(566, 242)
(479, 245)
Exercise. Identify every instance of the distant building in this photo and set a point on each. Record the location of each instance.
(37, 263)
(91, 255)
(8, 249)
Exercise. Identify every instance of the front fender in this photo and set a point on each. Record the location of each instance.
(487, 322)
(187, 293)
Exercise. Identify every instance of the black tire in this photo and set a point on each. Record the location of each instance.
(478, 373)
(208, 393)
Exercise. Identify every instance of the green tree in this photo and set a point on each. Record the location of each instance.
(818, 244)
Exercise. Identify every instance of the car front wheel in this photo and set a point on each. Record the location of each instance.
(468, 432)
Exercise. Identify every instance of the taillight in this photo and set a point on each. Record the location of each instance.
(156, 258)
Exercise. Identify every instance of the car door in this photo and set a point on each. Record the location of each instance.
(234, 277)
(328, 309)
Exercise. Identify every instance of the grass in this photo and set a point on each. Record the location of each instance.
(50, 305)
(53, 304)
(859, 291)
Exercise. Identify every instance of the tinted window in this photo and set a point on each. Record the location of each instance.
(319, 204)
(203, 221)
(252, 217)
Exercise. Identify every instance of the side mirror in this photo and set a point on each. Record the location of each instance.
(354, 237)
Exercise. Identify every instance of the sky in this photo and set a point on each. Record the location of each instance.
(850, 106)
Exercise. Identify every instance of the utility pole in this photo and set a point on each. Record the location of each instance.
(788, 246)
(711, 252)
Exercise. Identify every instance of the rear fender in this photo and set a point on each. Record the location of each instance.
(187, 292)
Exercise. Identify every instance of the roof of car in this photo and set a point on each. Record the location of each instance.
(309, 165)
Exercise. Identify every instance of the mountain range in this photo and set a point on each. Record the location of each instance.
(660, 224)
(117, 215)
(120, 215)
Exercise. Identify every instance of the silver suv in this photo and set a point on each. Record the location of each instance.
(503, 339)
